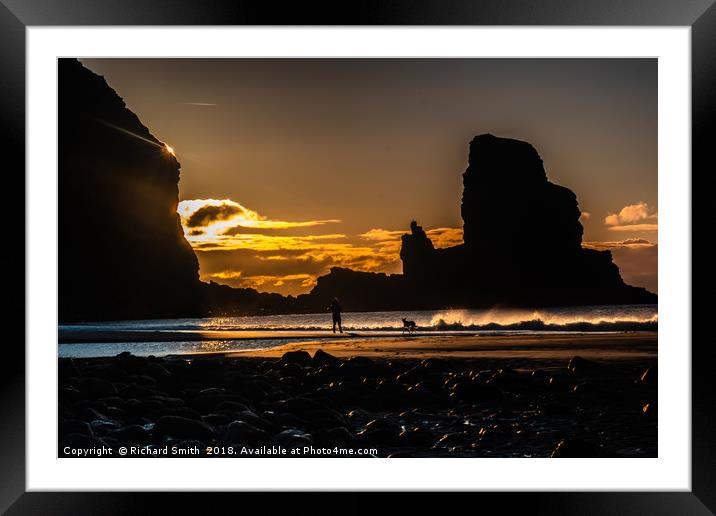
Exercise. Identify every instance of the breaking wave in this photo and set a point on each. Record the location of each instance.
(574, 319)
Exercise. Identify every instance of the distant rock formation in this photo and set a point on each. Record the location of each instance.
(357, 291)
(522, 241)
(122, 252)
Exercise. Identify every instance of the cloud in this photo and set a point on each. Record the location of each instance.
(635, 227)
(441, 237)
(221, 220)
(445, 237)
(240, 247)
(289, 271)
(210, 213)
(381, 235)
(630, 214)
(290, 282)
(637, 241)
(629, 242)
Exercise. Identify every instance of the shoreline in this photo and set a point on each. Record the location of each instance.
(132, 336)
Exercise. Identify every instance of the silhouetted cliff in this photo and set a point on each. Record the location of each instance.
(122, 252)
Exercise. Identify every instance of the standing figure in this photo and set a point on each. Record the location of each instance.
(335, 309)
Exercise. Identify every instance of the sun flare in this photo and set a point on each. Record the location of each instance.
(169, 149)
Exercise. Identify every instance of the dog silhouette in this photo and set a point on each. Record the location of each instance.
(408, 325)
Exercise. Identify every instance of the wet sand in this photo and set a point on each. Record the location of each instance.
(634, 346)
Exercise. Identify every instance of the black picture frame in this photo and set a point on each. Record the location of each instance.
(17, 15)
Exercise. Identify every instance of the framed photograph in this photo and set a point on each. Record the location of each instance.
(413, 249)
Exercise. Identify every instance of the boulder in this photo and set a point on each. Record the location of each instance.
(240, 432)
(94, 388)
(576, 448)
(179, 427)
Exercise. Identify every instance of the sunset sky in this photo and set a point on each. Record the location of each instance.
(292, 166)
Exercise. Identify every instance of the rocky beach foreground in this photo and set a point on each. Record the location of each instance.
(319, 404)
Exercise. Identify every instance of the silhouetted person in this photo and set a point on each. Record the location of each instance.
(335, 309)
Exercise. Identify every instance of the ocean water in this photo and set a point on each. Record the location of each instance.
(606, 318)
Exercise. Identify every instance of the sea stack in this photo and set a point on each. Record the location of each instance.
(122, 250)
(522, 241)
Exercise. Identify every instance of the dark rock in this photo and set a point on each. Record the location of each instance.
(417, 437)
(216, 419)
(557, 410)
(320, 357)
(94, 388)
(436, 365)
(131, 434)
(452, 440)
(74, 426)
(137, 391)
(115, 413)
(156, 371)
(585, 389)
(232, 406)
(473, 391)
(106, 171)
(358, 414)
(339, 436)
(103, 426)
(390, 394)
(558, 384)
(422, 395)
(582, 366)
(293, 438)
(284, 419)
(577, 448)
(494, 434)
(650, 377)
(347, 393)
(168, 401)
(296, 357)
(508, 379)
(144, 407)
(67, 367)
(300, 405)
(69, 393)
(212, 390)
(182, 428)
(89, 414)
(292, 370)
(413, 375)
(379, 432)
(649, 409)
(176, 411)
(239, 432)
(252, 418)
(356, 369)
(210, 402)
